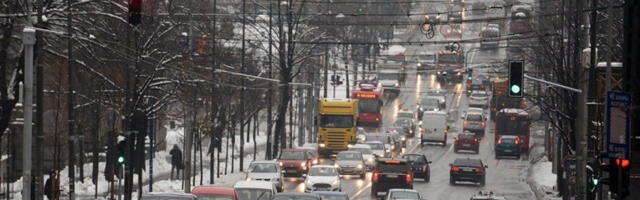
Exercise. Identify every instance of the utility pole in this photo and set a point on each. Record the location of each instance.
(29, 39)
(301, 124)
(326, 69)
(582, 119)
(70, 99)
(213, 90)
(244, 20)
(39, 148)
(270, 90)
(188, 129)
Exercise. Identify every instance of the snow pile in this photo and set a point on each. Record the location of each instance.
(394, 50)
(542, 173)
(174, 136)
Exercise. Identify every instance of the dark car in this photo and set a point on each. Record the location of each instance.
(419, 165)
(467, 169)
(296, 196)
(476, 84)
(391, 173)
(508, 145)
(467, 141)
(407, 125)
(294, 162)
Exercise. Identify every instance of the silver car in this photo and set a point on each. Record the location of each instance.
(367, 154)
(479, 98)
(351, 163)
(266, 171)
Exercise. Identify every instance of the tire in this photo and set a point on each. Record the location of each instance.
(518, 157)
(427, 178)
(363, 176)
(482, 182)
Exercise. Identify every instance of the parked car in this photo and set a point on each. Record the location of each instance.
(266, 171)
(351, 163)
(419, 166)
(367, 154)
(323, 178)
(168, 196)
(296, 196)
(467, 141)
(294, 162)
(467, 169)
(508, 145)
(254, 190)
(214, 192)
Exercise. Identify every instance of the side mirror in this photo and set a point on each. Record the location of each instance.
(485, 166)
(429, 162)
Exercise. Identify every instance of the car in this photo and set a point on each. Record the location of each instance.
(474, 121)
(405, 113)
(215, 192)
(328, 195)
(475, 85)
(367, 154)
(168, 196)
(486, 195)
(479, 99)
(467, 141)
(254, 190)
(434, 128)
(467, 169)
(425, 61)
(404, 194)
(294, 162)
(361, 135)
(378, 149)
(323, 178)
(406, 125)
(312, 152)
(351, 163)
(296, 196)
(428, 104)
(391, 173)
(398, 135)
(438, 94)
(508, 145)
(419, 165)
(390, 145)
(266, 171)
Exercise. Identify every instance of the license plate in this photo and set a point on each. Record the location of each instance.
(292, 171)
(466, 145)
(392, 176)
(507, 150)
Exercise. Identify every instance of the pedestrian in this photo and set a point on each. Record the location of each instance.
(176, 161)
(51, 186)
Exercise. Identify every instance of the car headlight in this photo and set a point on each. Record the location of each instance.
(335, 182)
(315, 161)
(459, 73)
(249, 179)
(359, 166)
(443, 100)
(336, 165)
(403, 138)
(370, 159)
(322, 145)
(308, 183)
(280, 164)
(393, 147)
(303, 164)
(397, 85)
(419, 64)
(438, 72)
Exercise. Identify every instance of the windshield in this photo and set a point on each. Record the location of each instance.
(402, 122)
(381, 138)
(263, 168)
(404, 195)
(449, 58)
(253, 194)
(427, 57)
(474, 117)
(323, 171)
(511, 126)
(369, 105)
(414, 158)
(427, 102)
(489, 34)
(388, 76)
(376, 146)
(361, 150)
(349, 156)
(336, 121)
(405, 114)
(292, 155)
(214, 197)
(333, 197)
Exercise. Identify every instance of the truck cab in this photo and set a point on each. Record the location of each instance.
(337, 125)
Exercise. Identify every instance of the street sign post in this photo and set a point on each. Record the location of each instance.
(618, 104)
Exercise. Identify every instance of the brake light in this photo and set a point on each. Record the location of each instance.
(481, 86)
(454, 168)
(502, 105)
(424, 169)
(500, 141)
(483, 124)
(465, 123)
(457, 138)
(493, 109)
(392, 162)
(517, 141)
(475, 140)
(408, 178)
(375, 176)
(479, 169)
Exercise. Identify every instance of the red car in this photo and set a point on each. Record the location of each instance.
(214, 192)
(467, 141)
(294, 162)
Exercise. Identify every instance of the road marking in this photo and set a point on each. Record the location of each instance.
(361, 190)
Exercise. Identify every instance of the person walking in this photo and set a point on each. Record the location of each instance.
(176, 160)
(52, 186)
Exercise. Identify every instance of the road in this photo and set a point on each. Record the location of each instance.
(506, 177)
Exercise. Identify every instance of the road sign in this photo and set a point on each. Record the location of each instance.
(618, 104)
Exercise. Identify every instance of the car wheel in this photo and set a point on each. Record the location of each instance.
(497, 157)
(518, 157)
(455, 150)
(363, 176)
(478, 151)
(482, 182)
(427, 178)
(452, 181)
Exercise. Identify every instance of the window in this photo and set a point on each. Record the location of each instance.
(388, 76)
(414, 158)
(214, 197)
(405, 115)
(402, 122)
(336, 121)
(263, 168)
(349, 156)
(506, 126)
(292, 155)
(253, 194)
(369, 105)
(474, 117)
(429, 102)
(395, 168)
(323, 171)
(361, 150)
(376, 146)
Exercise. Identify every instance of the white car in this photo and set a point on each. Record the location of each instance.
(378, 149)
(404, 194)
(266, 171)
(367, 154)
(323, 178)
(479, 98)
(255, 190)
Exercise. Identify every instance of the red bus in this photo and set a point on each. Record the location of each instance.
(369, 103)
(513, 121)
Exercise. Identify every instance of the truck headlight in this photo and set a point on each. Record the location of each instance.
(397, 85)
(322, 145)
(403, 138)
(419, 64)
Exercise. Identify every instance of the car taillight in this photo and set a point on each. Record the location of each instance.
(502, 105)
(479, 169)
(454, 168)
(424, 169)
(481, 86)
(483, 124)
(500, 141)
(465, 123)
(408, 178)
(493, 109)
(475, 140)
(375, 176)
(517, 141)
(457, 138)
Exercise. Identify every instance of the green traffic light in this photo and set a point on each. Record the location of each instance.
(595, 181)
(359, 9)
(120, 159)
(515, 89)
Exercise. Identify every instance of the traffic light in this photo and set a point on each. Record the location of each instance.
(113, 157)
(617, 168)
(516, 78)
(121, 149)
(135, 12)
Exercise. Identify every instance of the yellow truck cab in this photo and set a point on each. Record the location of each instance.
(336, 125)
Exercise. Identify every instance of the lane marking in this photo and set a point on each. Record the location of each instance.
(361, 190)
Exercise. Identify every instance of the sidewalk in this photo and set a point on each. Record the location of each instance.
(541, 180)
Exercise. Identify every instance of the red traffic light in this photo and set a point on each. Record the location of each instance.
(623, 162)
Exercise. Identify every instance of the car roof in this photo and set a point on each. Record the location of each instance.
(431, 112)
(293, 150)
(346, 152)
(264, 162)
(254, 184)
(402, 190)
(330, 193)
(169, 194)
(323, 166)
(371, 142)
(361, 146)
(213, 190)
(467, 162)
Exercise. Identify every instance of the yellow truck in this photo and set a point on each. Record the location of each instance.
(337, 125)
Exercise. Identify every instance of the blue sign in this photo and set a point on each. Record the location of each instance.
(617, 124)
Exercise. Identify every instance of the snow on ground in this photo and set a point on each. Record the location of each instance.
(542, 173)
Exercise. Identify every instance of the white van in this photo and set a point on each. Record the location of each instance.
(254, 190)
(434, 127)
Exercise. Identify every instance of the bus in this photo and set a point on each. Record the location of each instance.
(369, 103)
(337, 122)
(513, 121)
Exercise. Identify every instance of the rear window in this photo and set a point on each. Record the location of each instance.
(294, 198)
(478, 94)
(388, 167)
(474, 117)
(508, 140)
(466, 136)
(468, 162)
(414, 158)
(376, 146)
(292, 155)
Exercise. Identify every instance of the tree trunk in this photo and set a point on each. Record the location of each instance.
(285, 96)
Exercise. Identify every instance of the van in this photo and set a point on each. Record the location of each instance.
(434, 127)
